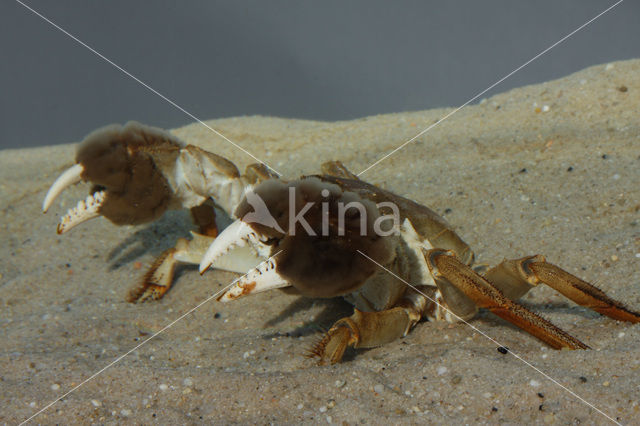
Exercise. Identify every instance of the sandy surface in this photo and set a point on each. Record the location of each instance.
(551, 169)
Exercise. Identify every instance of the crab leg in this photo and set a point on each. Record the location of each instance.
(370, 329)
(159, 278)
(516, 277)
(445, 267)
(69, 177)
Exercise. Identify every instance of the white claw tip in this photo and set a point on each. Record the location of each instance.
(264, 277)
(66, 179)
(235, 235)
(85, 210)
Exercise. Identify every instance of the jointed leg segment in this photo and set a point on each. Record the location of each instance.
(446, 267)
(369, 329)
(511, 279)
(158, 279)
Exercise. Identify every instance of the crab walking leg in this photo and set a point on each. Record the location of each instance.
(516, 277)
(370, 329)
(445, 267)
(159, 278)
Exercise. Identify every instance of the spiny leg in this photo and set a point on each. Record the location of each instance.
(369, 329)
(516, 277)
(445, 267)
(159, 277)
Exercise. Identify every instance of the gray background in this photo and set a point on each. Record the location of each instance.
(328, 60)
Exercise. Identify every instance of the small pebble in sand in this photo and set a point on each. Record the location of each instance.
(638, 255)
(300, 406)
(96, 403)
(125, 413)
(339, 383)
(503, 350)
(616, 176)
(323, 409)
(614, 258)
(534, 383)
(606, 384)
(378, 388)
(329, 419)
(623, 89)
(545, 108)
(442, 370)
(583, 379)
(621, 334)
(32, 404)
(163, 387)
(55, 387)
(187, 382)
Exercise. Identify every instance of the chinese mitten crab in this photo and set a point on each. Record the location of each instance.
(325, 235)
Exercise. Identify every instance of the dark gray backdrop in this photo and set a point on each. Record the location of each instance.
(328, 60)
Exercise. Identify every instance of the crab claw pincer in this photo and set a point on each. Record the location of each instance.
(126, 166)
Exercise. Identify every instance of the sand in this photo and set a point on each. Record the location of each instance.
(551, 169)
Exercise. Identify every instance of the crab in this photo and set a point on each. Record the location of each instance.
(325, 235)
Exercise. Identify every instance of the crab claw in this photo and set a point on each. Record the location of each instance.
(264, 277)
(238, 234)
(70, 177)
(130, 168)
(85, 210)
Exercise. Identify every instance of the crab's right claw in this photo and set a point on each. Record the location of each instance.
(128, 167)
